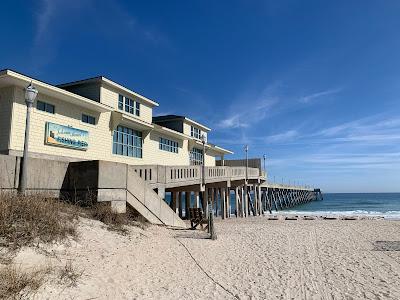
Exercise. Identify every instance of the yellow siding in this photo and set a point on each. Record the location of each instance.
(210, 160)
(100, 135)
(6, 95)
(156, 156)
(187, 129)
(109, 96)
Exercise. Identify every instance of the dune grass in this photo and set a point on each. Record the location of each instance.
(18, 284)
(25, 220)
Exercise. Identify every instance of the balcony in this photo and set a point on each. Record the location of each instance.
(175, 176)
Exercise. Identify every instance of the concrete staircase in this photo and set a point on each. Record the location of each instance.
(120, 185)
(148, 203)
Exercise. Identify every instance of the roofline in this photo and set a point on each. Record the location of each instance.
(18, 75)
(198, 124)
(110, 82)
(183, 118)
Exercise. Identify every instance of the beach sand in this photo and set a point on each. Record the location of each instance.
(252, 258)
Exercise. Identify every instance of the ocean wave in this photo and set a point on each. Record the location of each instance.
(393, 214)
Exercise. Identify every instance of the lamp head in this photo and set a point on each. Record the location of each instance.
(246, 148)
(30, 94)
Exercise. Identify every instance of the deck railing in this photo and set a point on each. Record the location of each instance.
(154, 174)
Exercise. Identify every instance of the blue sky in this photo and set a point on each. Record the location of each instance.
(314, 85)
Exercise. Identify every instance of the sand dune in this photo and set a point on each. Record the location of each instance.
(253, 258)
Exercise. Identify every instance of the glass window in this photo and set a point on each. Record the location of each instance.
(196, 156)
(43, 106)
(88, 119)
(127, 142)
(168, 145)
(120, 102)
(129, 105)
(195, 132)
(137, 109)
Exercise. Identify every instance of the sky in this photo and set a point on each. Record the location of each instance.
(313, 85)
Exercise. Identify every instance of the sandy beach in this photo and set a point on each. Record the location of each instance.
(253, 258)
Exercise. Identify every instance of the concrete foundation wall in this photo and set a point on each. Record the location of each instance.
(8, 172)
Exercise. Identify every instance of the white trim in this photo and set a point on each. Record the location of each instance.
(22, 80)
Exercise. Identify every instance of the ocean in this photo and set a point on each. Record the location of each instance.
(366, 204)
(385, 205)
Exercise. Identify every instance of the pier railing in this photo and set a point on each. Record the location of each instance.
(179, 175)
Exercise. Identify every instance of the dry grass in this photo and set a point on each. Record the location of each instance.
(116, 221)
(25, 220)
(69, 275)
(17, 284)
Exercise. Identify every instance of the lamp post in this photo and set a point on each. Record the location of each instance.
(30, 96)
(265, 171)
(246, 149)
(203, 170)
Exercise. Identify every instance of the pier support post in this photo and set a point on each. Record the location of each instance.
(187, 204)
(223, 203)
(174, 199)
(180, 204)
(196, 199)
(246, 200)
(237, 202)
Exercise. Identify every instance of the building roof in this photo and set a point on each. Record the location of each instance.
(105, 80)
(181, 118)
(10, 77)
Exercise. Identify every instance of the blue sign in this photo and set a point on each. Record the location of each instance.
(65, 136)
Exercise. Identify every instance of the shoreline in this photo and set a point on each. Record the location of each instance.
(339, 215)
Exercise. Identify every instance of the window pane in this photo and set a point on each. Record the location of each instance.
(50, 108)
(120, 102)
(40, 105)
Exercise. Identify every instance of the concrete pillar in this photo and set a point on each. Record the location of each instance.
(228, 202)
(246, 200)
(216, 201)
(180, 204)
(161, 192)
(223, 203)
(237, 202)
(187, 204)
(174, 200)
(212, 198)
(196, 199)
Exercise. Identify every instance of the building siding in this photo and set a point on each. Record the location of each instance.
(100, 135)
(6, 97)
(109, 96)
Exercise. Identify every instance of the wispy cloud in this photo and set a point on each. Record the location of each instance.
(250, 109)
(314, 96)
(281, 137)
(108, 20)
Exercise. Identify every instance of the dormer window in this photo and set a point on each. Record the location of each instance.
(129, 105)
(195, 132)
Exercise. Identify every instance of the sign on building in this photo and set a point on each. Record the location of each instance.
(65, 136)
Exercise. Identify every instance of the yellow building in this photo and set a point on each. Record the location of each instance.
(97, 119)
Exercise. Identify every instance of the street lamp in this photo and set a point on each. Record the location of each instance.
(30, 96)
(203, 140)
(265, 171)
(246, 149)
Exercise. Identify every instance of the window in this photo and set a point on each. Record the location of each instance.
(127, 142)
(121, 102)
(195, 132)
(129, 105)
(88, 119)
(196, 156)
(43, 106)
(168, 145)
